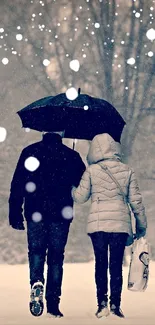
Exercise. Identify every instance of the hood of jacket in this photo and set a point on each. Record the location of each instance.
(103, 147)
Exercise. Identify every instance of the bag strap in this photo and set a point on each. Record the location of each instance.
(106, 169)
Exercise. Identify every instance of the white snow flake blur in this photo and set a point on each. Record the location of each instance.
(30, 187)
(36, 217)
(86, 107)
(131, 61)
(46, 62)
(27, 129)
(74, 65)
(151, 34)
(31, 164)
(71, 93)
(5, 61)
(97, 25)
(3, 134)
(19, 37)
(150, 54)
(137, 14)
(67, 212)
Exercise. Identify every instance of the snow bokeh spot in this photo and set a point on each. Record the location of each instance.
(150, 54)
(36, 217)
(27, 129)
(31, 164)
(3, 134)
(46, 62)
(151, 34)
(67, 212)
(137, 14)
(5, 61)
(71, 93)
(97, 25)
(30, 187)
(19, 37)
(74, 65)
(86, 107)
(131, 61)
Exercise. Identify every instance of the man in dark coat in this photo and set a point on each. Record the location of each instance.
(42, 183)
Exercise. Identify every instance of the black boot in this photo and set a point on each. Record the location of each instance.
(53, 310)
(36, 299)
(116, 310)
(102, 310)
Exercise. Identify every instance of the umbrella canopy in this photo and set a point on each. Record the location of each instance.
(81, 118)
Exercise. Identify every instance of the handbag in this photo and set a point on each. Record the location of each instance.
(139, 266)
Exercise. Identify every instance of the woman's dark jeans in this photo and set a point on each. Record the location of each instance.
(116, 243)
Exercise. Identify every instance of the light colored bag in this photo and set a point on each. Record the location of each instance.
(139, 265)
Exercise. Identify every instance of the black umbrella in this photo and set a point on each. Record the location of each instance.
(81, 118)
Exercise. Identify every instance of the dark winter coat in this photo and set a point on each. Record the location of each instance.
(60, 168)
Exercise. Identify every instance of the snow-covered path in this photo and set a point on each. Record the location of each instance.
(78, 299)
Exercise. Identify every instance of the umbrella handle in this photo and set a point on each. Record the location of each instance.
(74, 142)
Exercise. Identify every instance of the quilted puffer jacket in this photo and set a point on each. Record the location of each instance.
(108, 211)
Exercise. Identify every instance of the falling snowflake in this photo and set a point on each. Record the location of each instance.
(19, 37)
(97, 25)
(74, 65)
(86, 107)
(46, 62)
(27, 129)
(131, 61)
(5, 61)
(30, 187)
(1, 30)
(36, 217)
(3, 134)
(151, 34)
(31, 164)
(71, 93)
(137, 14)
(67, 212)
(150, 54)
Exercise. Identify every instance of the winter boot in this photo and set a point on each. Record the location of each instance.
(53, 310)
(116, 310)
(36, 303)
(103, 310)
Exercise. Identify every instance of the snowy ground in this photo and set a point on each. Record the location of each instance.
(78, 299)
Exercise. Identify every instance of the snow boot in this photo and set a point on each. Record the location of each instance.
(102, 310)
(54, 312)
(116, 310)
(36, 303)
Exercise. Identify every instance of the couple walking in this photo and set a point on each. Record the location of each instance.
(49, 191)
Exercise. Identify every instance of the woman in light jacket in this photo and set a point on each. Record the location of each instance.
(109, 220)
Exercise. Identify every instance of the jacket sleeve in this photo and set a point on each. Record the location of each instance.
(135, 201)
(82, 193)
(79, 168)
(16, 197)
